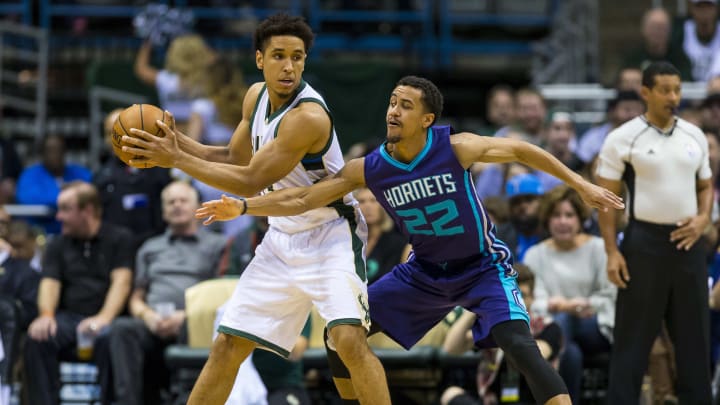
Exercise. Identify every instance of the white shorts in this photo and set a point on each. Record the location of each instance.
(324, 266)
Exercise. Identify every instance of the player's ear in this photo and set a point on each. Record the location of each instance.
(259, 59)
(645, 93)
(427, 120)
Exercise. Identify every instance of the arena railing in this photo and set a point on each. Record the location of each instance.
(23, 8)
(587, 101)
(412, 29)
(454, 14)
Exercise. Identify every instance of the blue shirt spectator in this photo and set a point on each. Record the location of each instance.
(40, 183)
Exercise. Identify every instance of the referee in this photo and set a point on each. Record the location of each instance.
(659, 269)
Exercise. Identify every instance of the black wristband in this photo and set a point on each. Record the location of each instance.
(244, 201)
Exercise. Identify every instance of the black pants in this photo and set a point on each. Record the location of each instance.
(136, 362)
(668, 284)
(42, 359)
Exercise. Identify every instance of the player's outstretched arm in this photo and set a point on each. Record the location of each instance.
(288, 201)
(471, 148)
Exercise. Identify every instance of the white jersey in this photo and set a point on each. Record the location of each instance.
(311, 169)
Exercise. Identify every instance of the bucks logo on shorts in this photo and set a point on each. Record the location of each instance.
(363, 304)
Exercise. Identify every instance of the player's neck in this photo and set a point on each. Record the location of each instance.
(407, 149)
(277, 101)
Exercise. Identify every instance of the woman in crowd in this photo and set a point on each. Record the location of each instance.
(571, 284)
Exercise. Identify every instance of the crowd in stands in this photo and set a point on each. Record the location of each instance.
(116, 262)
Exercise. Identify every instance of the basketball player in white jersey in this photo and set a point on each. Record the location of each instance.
(285, 139)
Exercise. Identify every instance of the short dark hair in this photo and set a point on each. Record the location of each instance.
(497, 89)
(655, 69)
(283, 24)
(624, 95)
(431, 96)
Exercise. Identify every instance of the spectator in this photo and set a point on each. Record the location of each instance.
(655, 30)
(85, 283)
(213, 119)
(497, 379)
(181, 81)
(41, 182)
(165, 266)
(385, 247)
(17, 277)
(523, 192)
(713, 85)
(624, 107)
(571, 285)
(711, 111)
(659, 268)
(530, 114)
(130, 197)
(5, 248)
(559, 137)
(10, 169)
(629, 79)
(700, 39)
(692, 114)
(500, 108)
(492, 177)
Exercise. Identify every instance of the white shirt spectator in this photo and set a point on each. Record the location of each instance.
(576, 273)
(214, 132)
(702, 56)
(171, 96)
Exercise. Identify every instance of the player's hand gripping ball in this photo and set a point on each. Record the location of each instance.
(141, 116)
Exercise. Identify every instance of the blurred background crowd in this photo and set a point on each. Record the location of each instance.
(558, 73)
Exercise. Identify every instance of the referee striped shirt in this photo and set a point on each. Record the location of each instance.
(659, 167)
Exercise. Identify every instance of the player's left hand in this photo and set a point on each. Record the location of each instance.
(600, 197)
(224, 209)
(689, 231)
(153, 150)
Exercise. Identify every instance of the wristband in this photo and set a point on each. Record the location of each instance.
(244, 201)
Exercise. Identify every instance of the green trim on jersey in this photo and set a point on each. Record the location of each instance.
(348, 212)
(257, 104)
(332, 127)
(344, 321)
(315, 161)
(269, 117)
(262, 342)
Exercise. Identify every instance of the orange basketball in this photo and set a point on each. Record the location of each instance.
(140, 116)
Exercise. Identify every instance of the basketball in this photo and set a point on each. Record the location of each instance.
(140, 116)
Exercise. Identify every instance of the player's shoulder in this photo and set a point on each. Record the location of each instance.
(312, 114)
(462, 137)
(254, 91)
